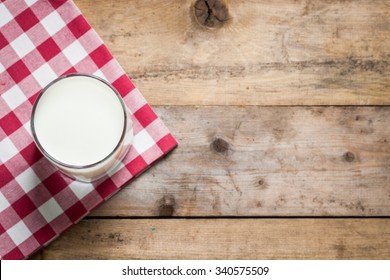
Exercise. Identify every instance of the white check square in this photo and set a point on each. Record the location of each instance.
(44, 75)
(22, 45)
(5, 15)
(142, 141)
(75, 52)
(50, 210)
(3, 202)
(28, 180)
(27, 127)
(100, 74)
(19, 233)
(14, 97)
(30, 2)
(53, 23)
(2, 69)
(80, 189)
(7, 149)
(118, 166)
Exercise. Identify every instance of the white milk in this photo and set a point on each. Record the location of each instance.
(80, 121)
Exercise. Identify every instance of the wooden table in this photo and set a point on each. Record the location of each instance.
(282, 111)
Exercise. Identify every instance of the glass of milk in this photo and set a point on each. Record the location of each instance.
(81, 125)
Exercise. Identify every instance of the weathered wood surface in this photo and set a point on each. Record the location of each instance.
(266, 161)
(284, 52)
(224, 239)
(251, 160)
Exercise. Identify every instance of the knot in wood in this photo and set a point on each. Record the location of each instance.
(211, 13)
(260, 182)
(220, 146)
(349, 157)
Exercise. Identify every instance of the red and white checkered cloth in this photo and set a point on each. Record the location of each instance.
(39, 41)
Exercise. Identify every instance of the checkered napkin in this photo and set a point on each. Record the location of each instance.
(39, 41)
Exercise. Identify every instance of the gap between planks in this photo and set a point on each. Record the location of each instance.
(231, 217)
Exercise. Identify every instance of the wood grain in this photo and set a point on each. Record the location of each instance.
(224, 239)
(284, 52)
(251, 161)
(266, 161)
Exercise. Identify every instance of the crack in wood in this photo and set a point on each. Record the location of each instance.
(343, 67)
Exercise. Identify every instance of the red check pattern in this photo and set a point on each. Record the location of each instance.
(39, 41)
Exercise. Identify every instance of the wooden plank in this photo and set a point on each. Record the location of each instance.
(284, 52)
(224, 239)
(266, 161)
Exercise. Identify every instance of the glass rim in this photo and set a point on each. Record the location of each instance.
(73, 166)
